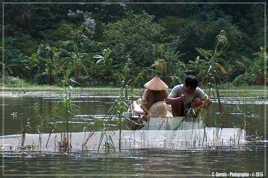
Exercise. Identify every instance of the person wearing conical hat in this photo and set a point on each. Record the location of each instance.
(156, 90)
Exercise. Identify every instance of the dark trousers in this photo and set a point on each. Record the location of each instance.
(178, 109)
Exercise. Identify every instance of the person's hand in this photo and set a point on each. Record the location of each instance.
(170, 100)
(182, 98)
(208, 101)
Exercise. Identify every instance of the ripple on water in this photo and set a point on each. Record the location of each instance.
(132, 162)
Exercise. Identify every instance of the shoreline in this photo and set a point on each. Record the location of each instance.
(248, 92)
(55, 88)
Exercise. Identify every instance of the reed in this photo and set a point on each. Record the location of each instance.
(120, 106)
(115, 112)
(66, 136)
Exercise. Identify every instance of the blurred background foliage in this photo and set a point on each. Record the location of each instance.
(96, 41)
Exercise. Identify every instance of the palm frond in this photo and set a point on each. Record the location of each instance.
(221, 68)
(160, 66)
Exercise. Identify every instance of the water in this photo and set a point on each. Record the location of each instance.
(36, 113)
(137, 163)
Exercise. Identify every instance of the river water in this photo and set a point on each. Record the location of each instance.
(38, 112)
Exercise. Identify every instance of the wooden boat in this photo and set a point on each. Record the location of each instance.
(171, 133)
(210, 138)
(161, 117)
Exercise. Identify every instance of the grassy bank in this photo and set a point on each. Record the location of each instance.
(248, 91)
(18, 85)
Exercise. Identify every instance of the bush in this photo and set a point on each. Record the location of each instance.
(134, 37)
(196, 34)
(15, 82)
(244, 79)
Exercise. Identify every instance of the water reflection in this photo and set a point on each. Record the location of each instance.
(41, 109)
(145, 163)
(35, 110)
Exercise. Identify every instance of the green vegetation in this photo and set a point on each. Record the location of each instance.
(96, 41)
(20, 85)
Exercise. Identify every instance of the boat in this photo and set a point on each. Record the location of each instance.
(170, 133)
(160, 117)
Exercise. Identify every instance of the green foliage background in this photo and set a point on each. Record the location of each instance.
(96, 41)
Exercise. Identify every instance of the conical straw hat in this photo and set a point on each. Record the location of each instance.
(156, 84)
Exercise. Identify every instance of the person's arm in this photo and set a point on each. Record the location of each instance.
(171, 100)
(204, 96)
(198, 108)
(144, 100)
(175, 96)
(144, 109)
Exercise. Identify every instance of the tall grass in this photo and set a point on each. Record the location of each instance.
(121, 105)
(115, 112)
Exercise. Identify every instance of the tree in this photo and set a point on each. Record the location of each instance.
(212, 66)
(46, 54)
(75, 49)
(201, 34)
(133, 37)
(253, 69)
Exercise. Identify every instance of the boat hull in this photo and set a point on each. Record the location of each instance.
(136, 122)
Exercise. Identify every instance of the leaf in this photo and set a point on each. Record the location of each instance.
(99, 61)
(98, 57)
(136, 79)
(61, 67)
(34, 57)
(85, 68)
(83, 55)
(203, 53)
(221, 68)
(219, 53)
(107, 53)
(10, 71)
(160, 65)
(67, 42)
(247, 60)
(261, 52)
(11, 65)
(241, 64)
(27, 67)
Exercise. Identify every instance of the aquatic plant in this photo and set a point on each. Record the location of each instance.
(213, 70)
(65, 144)
(255, 74)
(115, 112)
(121, 105)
